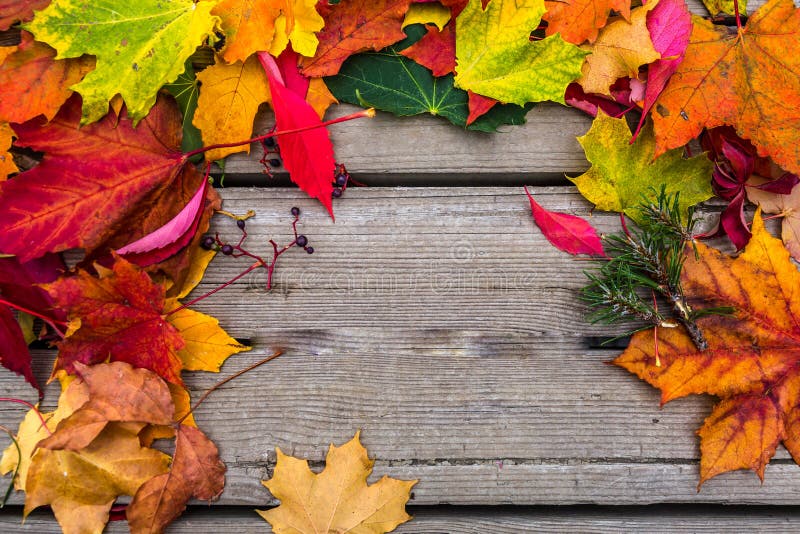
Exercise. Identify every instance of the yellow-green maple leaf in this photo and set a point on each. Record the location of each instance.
(622, 174)
(139, 45)
(497, 59)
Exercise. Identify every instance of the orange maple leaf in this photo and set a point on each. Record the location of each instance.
(753, 358)
(580, 20)
(352, 27)
(749, 79)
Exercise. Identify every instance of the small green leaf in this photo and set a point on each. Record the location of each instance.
(186, 90)
(139, 45)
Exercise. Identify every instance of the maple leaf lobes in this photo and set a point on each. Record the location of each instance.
(753, 356)
(139, 46)
(749, 80)
(579, 20)
(338, 499)
(496, 58)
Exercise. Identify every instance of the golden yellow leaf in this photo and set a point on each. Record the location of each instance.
(7, 165)
(229, 99)
(81, 486)
(427, 13)
(31, 432)
(319, 96)
(298, 24)
(621, 48)
(207, 344)
(197, 269)
(338, 499)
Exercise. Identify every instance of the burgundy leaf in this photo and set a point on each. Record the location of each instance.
(566, 232)
(14, 354)
(782, 185)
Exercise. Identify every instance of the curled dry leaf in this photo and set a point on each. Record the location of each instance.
(338, 499)
(752, 358)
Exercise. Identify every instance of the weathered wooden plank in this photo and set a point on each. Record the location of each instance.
(449, 376)
(468, 520)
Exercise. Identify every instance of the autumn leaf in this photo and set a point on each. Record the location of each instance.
(436, 51)
(229, 99)
(186, 90)
(117, 317)
(307, 155)
(81, 486)
(7, 165)
(752, 357)
(715, 7)
(353, 27)
(497, 59)
(31, 430)
(139, 46)
(298, 25)
(12, 11)
(91, 179)
(566, 232)
(580, 20)
(621, 48)
(39, 82)
(670, 25)
(338, 499)
(787, 206)
(248, 25)
(117, 392)
(14, 354)
(747, 79)
(622, 174)
(196, 471)
(427, 13)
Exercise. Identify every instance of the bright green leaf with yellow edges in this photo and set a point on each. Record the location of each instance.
(623, 174)
(496, 57)
(139, 46)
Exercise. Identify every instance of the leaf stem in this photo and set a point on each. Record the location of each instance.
(363, 113)
(253, 267)
(32, 407)
(736, 14)
(223, 382)
(50, 321)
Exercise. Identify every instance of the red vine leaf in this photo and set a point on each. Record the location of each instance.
(14, 354)
(566, 232)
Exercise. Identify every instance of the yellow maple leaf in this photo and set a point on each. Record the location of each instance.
(249, 26)
(430, 12)
(7, 165)
(298, 24)
(229, 99)
(81, 486)
(338, 499)
(621, 48)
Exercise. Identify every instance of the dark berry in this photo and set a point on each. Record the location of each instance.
(295, 211)
(207, 242)
(341, 180)
(337, 192)
(275, 162)
(310, 250)
(302, 241)
(240, 223)
(227, 250)
(269, 142)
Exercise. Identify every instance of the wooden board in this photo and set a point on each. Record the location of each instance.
(441, 323)
(486, 521)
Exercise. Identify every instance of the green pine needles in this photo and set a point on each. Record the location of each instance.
(643, 267)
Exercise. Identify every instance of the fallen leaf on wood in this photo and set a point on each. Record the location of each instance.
(338, 499)
(566, 232)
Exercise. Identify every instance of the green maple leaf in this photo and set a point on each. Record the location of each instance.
(139, 45)
(391, 82)
(623, 174)
(496, 58)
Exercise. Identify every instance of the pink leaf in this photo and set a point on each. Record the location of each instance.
(170, 238)
(670, 25)
(566, 232)
(308, 155)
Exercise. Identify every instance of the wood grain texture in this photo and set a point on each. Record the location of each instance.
(441, 323)
(711, 519)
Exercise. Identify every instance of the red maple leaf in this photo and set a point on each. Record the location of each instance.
(117, 317)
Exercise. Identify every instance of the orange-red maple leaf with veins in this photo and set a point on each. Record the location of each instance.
(753, 358)
(749, 79)
(352, 27)
(117, 317)
(580, 20)
(12, 11)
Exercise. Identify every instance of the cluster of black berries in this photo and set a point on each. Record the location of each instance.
(340, 180)
(301, 240)
(271, 153)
